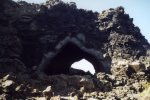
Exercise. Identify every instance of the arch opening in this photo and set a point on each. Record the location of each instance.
(66, 56)
(84, 65)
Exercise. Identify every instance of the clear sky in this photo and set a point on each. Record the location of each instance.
(137, 9)
(84, 65)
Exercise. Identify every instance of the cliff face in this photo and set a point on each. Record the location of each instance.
(54, 35)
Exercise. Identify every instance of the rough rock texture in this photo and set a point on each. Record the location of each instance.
(54, 35)
(39, 42)
(39, 86)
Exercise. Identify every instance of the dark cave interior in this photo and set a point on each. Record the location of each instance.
(68, 54)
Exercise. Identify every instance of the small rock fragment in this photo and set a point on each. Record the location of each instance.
(48, 92)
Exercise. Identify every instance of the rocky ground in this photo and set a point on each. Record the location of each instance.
(35, 85)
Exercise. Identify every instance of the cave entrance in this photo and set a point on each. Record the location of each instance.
(66, 56)
(84, 65)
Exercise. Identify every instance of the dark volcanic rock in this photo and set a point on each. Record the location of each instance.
(39, 41)
(10, 46)
(38, 86)
(54, 35)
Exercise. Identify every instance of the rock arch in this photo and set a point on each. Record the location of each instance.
(68, 53)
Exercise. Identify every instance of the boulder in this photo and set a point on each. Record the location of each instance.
(137, 66)
(48, 92)
(120, 68)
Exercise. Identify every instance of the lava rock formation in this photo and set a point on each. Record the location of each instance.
(52, 36)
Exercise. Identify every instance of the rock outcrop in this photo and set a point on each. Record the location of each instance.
(54, 35)
(39, 86)
(39, 42)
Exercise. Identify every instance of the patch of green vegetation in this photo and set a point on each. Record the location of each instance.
(146, 92)
(146, 85)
